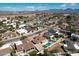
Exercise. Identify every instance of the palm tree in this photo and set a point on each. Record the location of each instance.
(13, 50)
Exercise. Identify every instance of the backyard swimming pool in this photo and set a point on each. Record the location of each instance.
(47, 45)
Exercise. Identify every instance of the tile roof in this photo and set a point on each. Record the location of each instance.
(39, 47)
(5, 51)
(38, 39)
(53, 47)
(9, 34)
(27, 45)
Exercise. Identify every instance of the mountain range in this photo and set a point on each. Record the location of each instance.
(68, 10)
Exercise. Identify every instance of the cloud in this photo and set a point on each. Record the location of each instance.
(63, 5)
(8, 8)
(39, 7)
(42, 8)
(68, 5)
(26, 8)
(29, 8)
(73, 4)
(33, 8)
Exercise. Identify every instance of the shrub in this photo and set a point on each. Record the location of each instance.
(23, 37)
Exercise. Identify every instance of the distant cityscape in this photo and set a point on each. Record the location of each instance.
(39, 29)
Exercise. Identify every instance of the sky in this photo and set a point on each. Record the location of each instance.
(36, 6)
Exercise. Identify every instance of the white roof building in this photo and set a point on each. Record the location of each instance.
(7, 45)
(21, 31)
(20, 26)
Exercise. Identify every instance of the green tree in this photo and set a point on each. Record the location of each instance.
(17, 26)
(24, 21)
(45, 53)
(68, 18)
(60, 22)
(71, 29)
(1, 23)
(11, 28)
(23, 37)
(8, 18)
(0, 39)
(13, 52)
(33, 53)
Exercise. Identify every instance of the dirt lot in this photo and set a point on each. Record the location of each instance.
(13, 15)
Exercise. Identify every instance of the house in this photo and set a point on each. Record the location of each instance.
(3, 18)
(22, 26)
(39, 47)
(70, 45)
(53, 47)
(9, 34)
(38, 39)
(21, 31)
(76, 23)
(53, 31)
(26, 46)
(5, 51)
(74, 37)
(13, 24)
(47, 34)
(66, 14)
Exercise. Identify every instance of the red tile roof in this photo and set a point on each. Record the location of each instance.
(53, 47)
(5, 51)
(38, 39)
(27, 45)
(9, 34)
